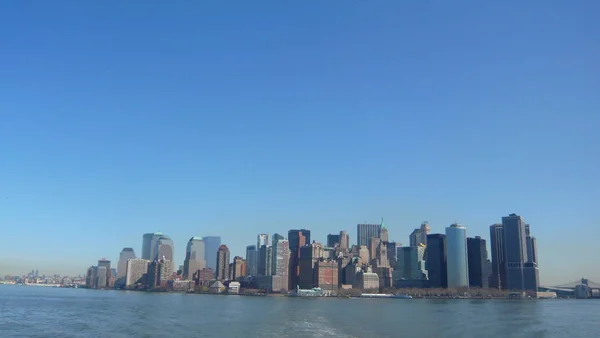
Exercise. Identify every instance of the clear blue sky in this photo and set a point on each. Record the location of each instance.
(232, 118)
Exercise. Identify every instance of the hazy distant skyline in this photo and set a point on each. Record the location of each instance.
(239, 118)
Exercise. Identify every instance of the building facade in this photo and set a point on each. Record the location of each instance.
(309, 255)
(326, 275)
(364, 233)
(477, 254)
(223, 258)
(137, 269)
(297, 239)
(410, 264)
(281, 262)
(125, 255)
(366, 281)
(265, 257)
(149, 245)
(435, 261)
(211, 246)
(456, 256)
(498, 277)
(275, 239)
(164, 250)
(521, 271)
(105, 276)
(333, 240)
(344, 240)
(194, 257)
(252, 260)
(159, 273)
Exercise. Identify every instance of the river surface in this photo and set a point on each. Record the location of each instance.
(28, 311)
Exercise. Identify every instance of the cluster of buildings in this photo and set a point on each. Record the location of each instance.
(277, 263)
(36, 278)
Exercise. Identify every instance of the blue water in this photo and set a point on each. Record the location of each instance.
(27, 311)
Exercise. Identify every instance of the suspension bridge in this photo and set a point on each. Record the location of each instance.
(568, 289)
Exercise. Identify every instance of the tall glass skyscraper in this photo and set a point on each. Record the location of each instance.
(211, 246)
(149, 244)
(194, 257)
(364, 233)
(165, 248)
(498, 277)
(457, 259)
(435, 261)
(477, 253)
(251, 260)
(521, 270)
(126, 255)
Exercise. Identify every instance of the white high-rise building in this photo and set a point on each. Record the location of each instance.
(457, 259)
(136, 269)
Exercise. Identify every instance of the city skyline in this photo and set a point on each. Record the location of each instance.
(199, 120)
(323, 241)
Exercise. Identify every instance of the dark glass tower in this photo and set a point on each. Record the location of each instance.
(521, 270)
(498, 277)
(435, 261)
(477, 255)
(332, 240)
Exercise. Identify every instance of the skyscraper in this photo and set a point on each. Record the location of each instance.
(435, 261)
(223, 263)
(410, 263)
(364, 233)
(252, 260)
(136, 271)
(194, 257)
(164, 250)
(498, 277)
(309, 255)
(531, 245)
(126, 254)
(425, 230)
(104, 276)
(415, 238)
(477, 253)
(262, 239)
(159, 272)
(211, 246)
(457, 259)
(275, 240)
(392, 253)
(265, 257)
(521, 270)
(344, 240)
(333, 240)
(281, 263)
(239, 268)
(383, 233)
(149, 245)
(419, 236)
(297, 239)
